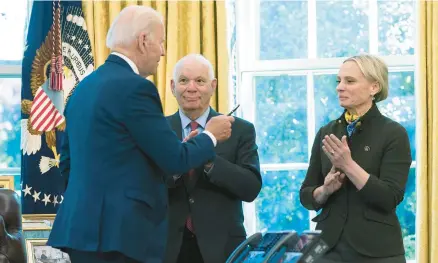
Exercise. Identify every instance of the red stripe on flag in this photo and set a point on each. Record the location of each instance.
(38, 102)
(52, 123)
(44, 115)
(38, 115)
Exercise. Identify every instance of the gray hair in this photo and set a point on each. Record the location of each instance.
(129, 23)
(375, 70)
(199, 58)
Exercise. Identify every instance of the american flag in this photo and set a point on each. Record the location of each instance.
(44, 115)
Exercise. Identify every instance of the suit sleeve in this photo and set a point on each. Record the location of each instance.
(387, 191)
(314, 177)
(145, 121)
(64, 159)
(243, 178)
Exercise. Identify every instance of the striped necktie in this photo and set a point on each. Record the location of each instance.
(189, 223)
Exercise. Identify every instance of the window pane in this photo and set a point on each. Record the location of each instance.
(281, 118)
(278, 205)
(400, 104)
(326, 100)
(342, 28)
(13, 16)
(406, 215)
(10, 115)
(283, 29)
(396, 27)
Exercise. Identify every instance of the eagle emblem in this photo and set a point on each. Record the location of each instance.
(46, 109)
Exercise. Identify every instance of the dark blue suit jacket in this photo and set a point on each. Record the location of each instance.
(117, 147)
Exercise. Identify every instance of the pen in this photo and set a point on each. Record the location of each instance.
(231, 112)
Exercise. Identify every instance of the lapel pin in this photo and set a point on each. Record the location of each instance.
(367, 148)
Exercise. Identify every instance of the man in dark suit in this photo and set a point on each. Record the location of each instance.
(205, 205)
(119, 149)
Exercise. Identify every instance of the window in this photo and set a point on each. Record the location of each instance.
(13, 22)
(10, 122)
(287, 55)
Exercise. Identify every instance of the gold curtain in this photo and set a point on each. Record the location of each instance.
(191, 27)
(427, 171)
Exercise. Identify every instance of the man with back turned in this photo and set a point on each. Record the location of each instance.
(117, 147)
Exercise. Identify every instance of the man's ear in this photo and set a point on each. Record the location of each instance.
(172, 87)
(214, 84)
(142, 42)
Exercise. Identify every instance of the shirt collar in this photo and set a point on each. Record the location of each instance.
(202, 120)
(129, 61)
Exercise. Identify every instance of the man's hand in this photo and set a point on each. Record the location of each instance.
(208, 166)
(220, 127)
(191, 135)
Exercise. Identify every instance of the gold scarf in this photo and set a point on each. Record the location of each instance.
(350, 117)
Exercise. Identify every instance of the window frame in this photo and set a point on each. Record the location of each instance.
(10, 70)
(13, 69)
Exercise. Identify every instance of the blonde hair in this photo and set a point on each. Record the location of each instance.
(375, 70)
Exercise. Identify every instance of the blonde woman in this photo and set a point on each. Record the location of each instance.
(358, 170)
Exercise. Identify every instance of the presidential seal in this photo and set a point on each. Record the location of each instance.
(46, 109)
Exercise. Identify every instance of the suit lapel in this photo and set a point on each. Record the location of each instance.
(212, 114)
(175, 123)
(341, 129)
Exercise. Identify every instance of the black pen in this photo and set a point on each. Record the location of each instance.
(231, 112)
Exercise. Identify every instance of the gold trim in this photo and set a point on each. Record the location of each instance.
(39, 217)
(30, 243)
(61, 127)
(28, 229)
(26, 106)
(30, 129)
(40, 63)
(7, 182)
(51, 139)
